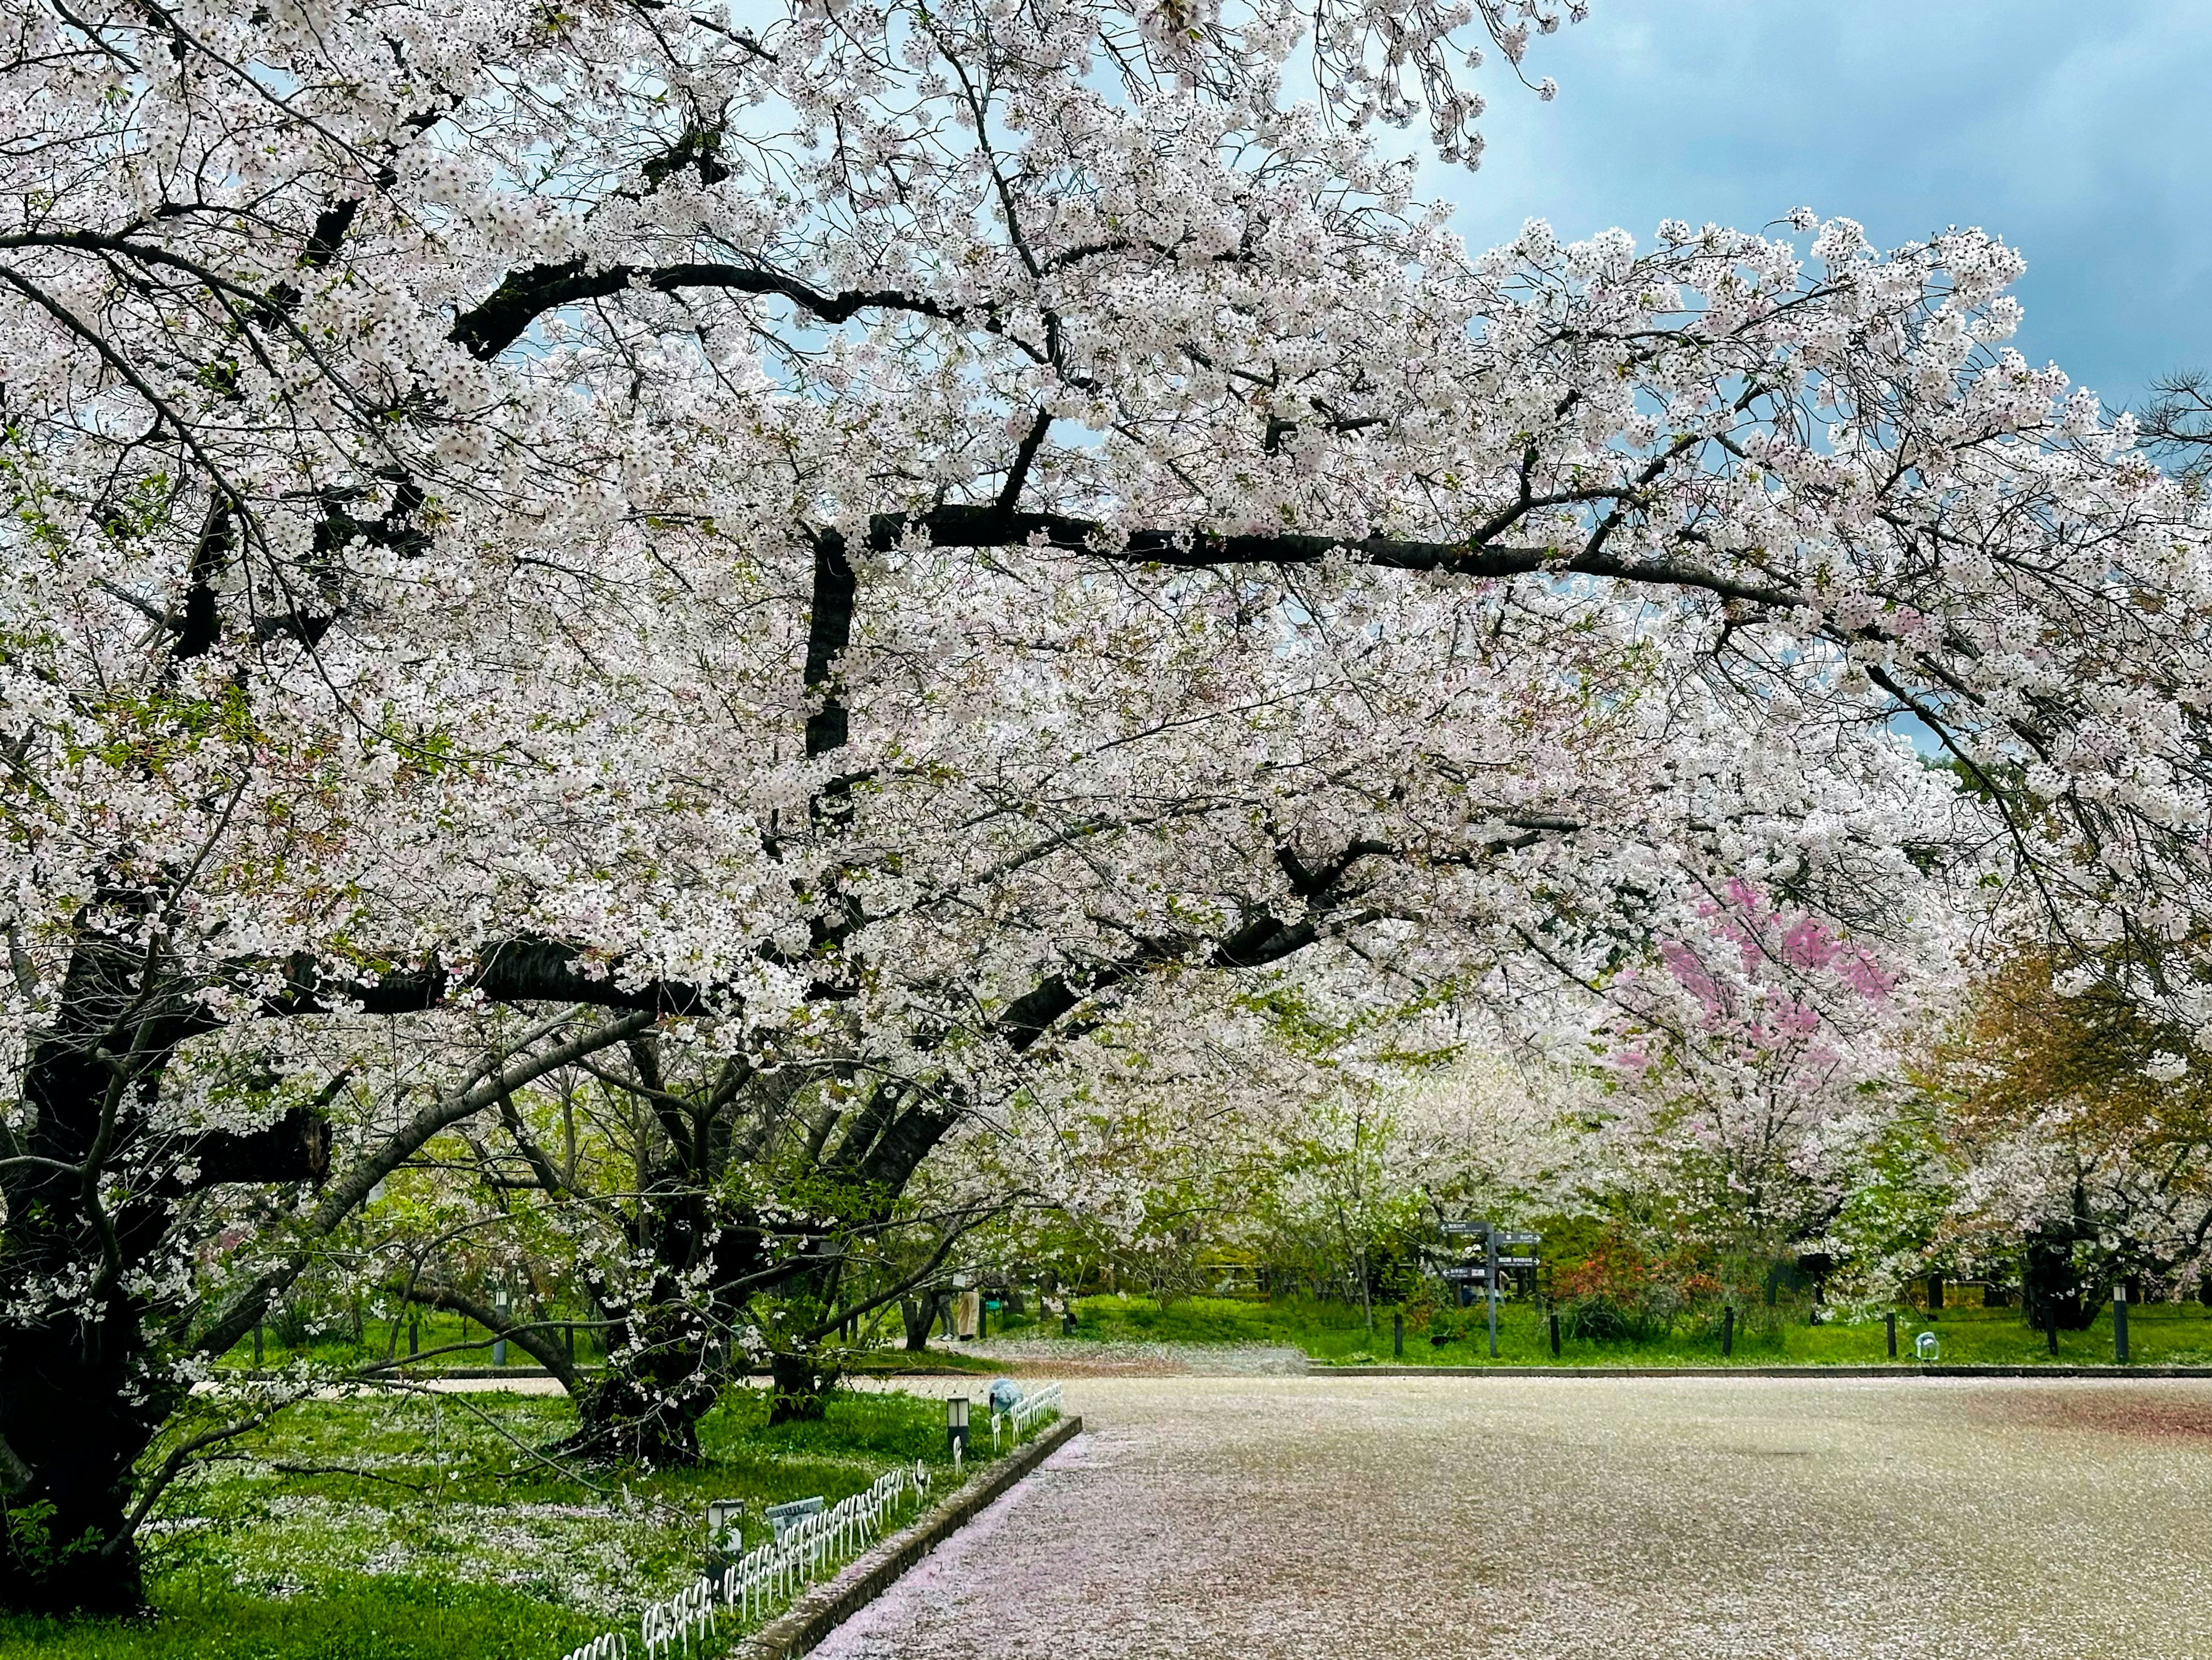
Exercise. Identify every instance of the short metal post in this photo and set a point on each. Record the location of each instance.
(1490, 1290)
(257, 1342)
(1397, 1336)
(570, 1332)
(1889, 1329)
(1555, 1324)
(2120, 1323)
(499, 1343)
(2050, 1323)
(414, 1337)
(1728, 1331)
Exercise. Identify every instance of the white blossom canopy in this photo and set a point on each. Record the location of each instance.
(925, 513)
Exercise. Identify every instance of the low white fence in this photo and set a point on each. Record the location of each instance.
(1026, 1413)
(765, 1574)
(768, 1573)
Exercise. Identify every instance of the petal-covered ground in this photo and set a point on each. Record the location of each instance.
(1284, 1518)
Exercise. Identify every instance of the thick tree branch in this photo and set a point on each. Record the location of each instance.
(512, 971)
(505, 317)
(972, 527)
(346, 1194)
(534, 1337)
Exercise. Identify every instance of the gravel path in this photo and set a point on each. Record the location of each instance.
(1077, 1357)
(1641, 1519)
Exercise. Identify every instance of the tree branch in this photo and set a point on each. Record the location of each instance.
(505, 315)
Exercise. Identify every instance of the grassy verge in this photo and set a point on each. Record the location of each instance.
(2159, 1334)
(430, 1329)
(392, 1527)
(897, 1362)
(467, 1345)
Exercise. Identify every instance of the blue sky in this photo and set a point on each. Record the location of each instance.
(2082, 134)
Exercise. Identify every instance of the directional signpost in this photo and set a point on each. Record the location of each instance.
(1486, 1272)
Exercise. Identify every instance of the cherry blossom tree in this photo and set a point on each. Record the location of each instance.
(2076, 1140)
(890, 532)
(1752, 1058)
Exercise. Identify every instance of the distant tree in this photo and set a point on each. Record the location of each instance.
(2084, 1137)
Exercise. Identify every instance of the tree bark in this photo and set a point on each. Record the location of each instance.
(916, 1316)
(82, 1394)
(799, 1385)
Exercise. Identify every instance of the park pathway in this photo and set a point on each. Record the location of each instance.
(1281, 1518)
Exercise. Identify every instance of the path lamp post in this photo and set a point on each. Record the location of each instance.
(726, 1532)
(956, 1426)
(499, 1344)
(1397, 1336)
(1889, 1329)
(1728, 1331)
(2120, 1323)
(1553, 1321)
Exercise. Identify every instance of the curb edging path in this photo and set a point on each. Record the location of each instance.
(860, 1581)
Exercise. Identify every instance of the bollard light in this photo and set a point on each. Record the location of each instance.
(725, 1522)
(1926, 1347)
(2120, 1323)
(956, 1426)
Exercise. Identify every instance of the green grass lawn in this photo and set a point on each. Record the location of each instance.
(468, 1345)
(389, 1527)
(2159, 1334)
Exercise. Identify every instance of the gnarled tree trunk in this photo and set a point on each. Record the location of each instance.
(82, 1393)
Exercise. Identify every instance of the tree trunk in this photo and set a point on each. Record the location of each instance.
(798, 1384)
(74, 1412)
(646, 1406)
(627, 1418)
(83, 1394)
(917, 1315)
(2051, 1291)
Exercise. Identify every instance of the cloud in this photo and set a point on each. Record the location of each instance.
(2076, 133)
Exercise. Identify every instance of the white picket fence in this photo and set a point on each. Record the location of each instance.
(765, 1574)
(768, 1573)
(1026, 1413)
